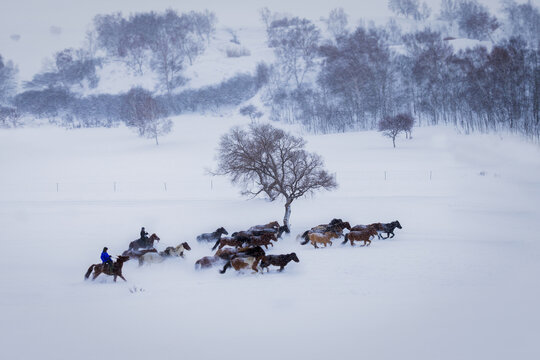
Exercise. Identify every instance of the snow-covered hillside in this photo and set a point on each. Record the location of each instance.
(460, 273)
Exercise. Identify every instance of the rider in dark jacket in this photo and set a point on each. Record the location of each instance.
(106, 259)
(143, 233)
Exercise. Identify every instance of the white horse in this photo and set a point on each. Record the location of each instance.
(153, 258)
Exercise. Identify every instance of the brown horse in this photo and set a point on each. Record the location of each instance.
(246, 257)
(219, 257)
(228, 242)
(377, 226)
(335, 225)
(262, 240)
(101, 268)
(324, 238)
(364, 236)
(143, 243)
(207, 262)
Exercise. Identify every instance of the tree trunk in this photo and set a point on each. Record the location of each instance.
(157, 143)
(287, 213)
(394, 141)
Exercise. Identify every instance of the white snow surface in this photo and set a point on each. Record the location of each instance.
(459, 281)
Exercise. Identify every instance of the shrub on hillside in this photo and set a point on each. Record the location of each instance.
(237, 51)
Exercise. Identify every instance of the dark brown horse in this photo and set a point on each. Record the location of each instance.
(262, 240)
(227, 241)
(143, 243)
(278, 260)
(101, 268)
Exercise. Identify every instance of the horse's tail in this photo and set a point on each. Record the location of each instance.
(305, 237)
(346, 238)
(90, 269)
(227, 265)
(216, 244)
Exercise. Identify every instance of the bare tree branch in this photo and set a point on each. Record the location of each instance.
(268, 160)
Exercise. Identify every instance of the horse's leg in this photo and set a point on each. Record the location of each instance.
(391, 233)
(123, 278)
(96, 274)
(114, 277)
(254, 266)
(281, 268)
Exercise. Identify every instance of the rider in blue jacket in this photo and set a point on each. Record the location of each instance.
(106, 258)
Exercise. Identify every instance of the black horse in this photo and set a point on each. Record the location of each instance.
(389, 229)
(143, 243)
(216, 235)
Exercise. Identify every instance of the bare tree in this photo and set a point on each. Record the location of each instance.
(8, 83)
(337, 22)
(391, 126)
(251, 111)
(266, 160)
(296, 43)
(143, 112)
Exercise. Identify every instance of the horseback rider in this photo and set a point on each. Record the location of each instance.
(106, 260)
(143, 234)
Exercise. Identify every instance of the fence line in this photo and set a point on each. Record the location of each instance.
(212, 184)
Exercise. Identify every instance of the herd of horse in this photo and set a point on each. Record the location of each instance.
(324, 233)
(244, 249)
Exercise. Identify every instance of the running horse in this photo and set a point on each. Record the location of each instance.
(143, 243)
(115, 271)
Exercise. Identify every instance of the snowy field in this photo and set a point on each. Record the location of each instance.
(459, 281)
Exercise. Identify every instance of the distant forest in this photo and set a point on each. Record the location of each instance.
(328, 75)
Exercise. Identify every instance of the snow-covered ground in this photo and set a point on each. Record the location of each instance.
(459, 281)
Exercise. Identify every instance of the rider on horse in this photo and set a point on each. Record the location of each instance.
(106, 259)
(143, 234)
